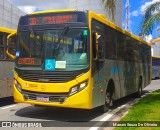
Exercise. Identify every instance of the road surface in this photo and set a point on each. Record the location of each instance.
(66, 119)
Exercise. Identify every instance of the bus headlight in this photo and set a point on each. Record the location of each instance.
(78, 88)
(18, 86)
(73, 90)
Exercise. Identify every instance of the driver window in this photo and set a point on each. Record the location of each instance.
(101, 46)
(99, 28)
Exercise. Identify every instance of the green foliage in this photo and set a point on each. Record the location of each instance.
(151, 18)
(110, 7)
(147, 109)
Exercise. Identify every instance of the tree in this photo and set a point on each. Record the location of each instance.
(151, 18)
(109, 5)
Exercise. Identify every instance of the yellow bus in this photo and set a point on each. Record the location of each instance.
(155, 67)
(77, 59)
(6, 65)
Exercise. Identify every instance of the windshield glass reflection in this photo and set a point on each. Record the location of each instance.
(65, 49)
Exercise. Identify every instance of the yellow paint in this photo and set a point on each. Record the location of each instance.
(13, 33)
(156, 57)
(114, 26)
(153, 41)
(52, 11)
(7, 30)
(81, 99)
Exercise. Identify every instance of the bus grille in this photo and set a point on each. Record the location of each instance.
(53, 97)
(47, 77)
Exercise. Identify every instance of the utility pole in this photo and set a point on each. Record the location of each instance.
(127, 22)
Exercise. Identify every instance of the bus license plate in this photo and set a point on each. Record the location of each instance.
(42, 99)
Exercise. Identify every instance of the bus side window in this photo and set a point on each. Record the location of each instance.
(121, 46)
(12, 45)
(94, 45)
(101, 47)
(2, 56)
(110, 43)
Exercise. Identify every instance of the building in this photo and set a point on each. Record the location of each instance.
(9, 15)
(156, 49)
(155, 42)
(96, 6)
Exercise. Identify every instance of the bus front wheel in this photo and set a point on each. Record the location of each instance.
(108, 101)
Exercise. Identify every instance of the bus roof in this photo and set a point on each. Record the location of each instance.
(153, 41)
(158, 57)
(7, 30)
(109, 23)
(52, 11)
(100, 16)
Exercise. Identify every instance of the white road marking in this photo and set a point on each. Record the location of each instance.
(10, 106)
(108, 116)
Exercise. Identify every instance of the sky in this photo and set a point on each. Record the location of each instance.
(137, 7)
(136, 10)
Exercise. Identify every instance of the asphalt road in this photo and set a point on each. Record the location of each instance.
(66, 119)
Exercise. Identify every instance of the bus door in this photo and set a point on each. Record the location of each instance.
(98, 67)
(11, 46)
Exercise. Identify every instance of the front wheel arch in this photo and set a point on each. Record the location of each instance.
(108, 97)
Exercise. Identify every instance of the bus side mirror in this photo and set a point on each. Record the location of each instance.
(95, 46)
(11, 46)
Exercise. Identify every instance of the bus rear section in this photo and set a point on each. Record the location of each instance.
(155, 67)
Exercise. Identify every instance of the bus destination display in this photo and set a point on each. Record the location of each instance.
(54, 19)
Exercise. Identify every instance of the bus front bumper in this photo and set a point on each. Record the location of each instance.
(78, 100)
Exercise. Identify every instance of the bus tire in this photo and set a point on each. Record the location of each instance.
(108, 99)
(139, 93)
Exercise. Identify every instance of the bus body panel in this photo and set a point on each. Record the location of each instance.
(6, 78)
(6, 65)
(125, 74)
(51, 87)
(81, 99)
(127, 78)
(100, 81)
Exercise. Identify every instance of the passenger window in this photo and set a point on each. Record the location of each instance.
(2, 54)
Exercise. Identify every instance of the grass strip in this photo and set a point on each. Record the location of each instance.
(147, 109)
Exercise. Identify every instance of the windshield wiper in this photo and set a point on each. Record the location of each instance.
(32, 32)
(62, 33)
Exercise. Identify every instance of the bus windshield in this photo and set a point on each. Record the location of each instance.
(56, 49)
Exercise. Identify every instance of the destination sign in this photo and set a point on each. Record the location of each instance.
(29, 61)
(53, 18)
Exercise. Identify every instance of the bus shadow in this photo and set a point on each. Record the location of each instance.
(58, 114)
(128, 99)
(156, 78)
(6, 101)
(68, 114)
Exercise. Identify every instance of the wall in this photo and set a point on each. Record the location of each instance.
(156, 49)
(9, 15)
(96, 6)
